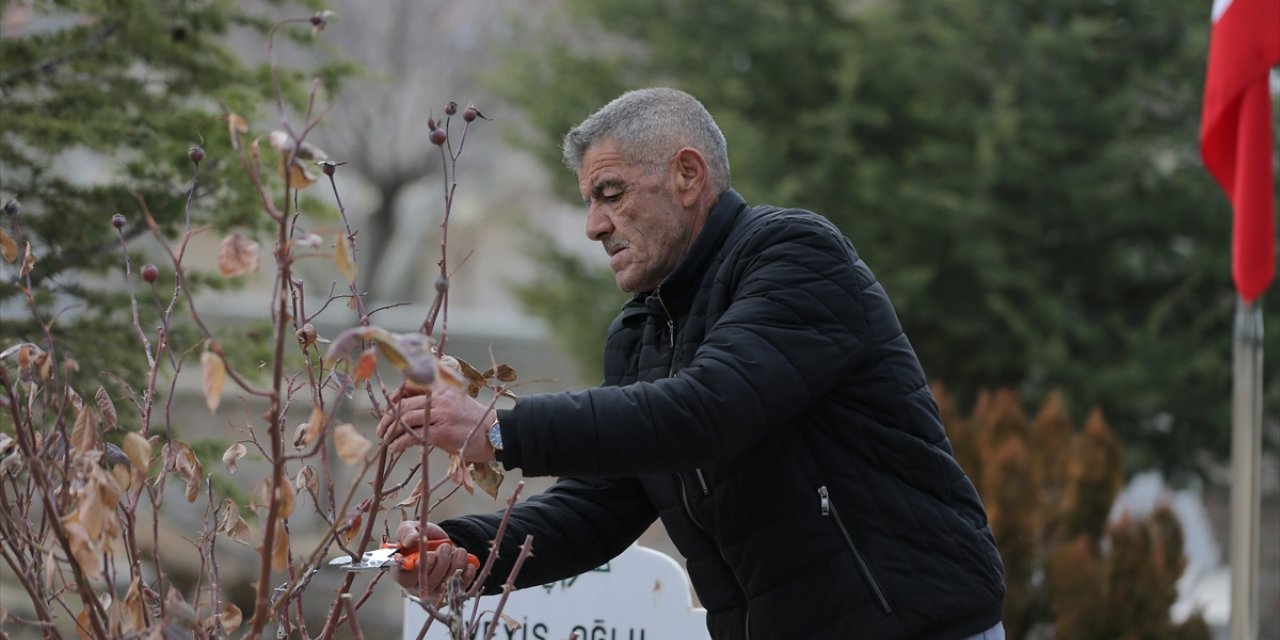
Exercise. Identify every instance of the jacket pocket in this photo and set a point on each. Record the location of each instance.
(829, 511)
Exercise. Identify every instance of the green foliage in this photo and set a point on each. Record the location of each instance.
(1023, 177)
(101, 102)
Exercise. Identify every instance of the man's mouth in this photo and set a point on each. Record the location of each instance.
(612, 246)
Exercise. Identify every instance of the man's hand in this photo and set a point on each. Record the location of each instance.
(456, 420)
(439, 565)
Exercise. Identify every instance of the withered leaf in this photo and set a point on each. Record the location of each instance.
(280, 548)
(213, 375)
(82, 548)
(351, 446)
(237, 255)
(230, 618)
(232, 525)
(503, 372)
(308, 432)
(138, 450)
(366, 365)
(236, 126)
(8, 247)
(488, 477)
(134, 615)
(28, 262)
(84, 626)
(296, 175)
(342, 259)
(231, 457)
(84, 436)
(284, 495)
(107, 407)
(91, 512)
(305, 480)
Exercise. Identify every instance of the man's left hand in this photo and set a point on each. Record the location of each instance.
(458, 423)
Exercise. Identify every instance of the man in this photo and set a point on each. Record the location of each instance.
(760, 397)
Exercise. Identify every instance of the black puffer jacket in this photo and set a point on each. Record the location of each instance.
(765, 403)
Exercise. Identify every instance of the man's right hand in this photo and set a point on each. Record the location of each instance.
(438, 566)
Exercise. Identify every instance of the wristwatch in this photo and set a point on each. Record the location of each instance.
(495, 436)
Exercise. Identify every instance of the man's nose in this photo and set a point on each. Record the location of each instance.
(598, 224)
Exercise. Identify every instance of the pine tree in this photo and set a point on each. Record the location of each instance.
(103, 106)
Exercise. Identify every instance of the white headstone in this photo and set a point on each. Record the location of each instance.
(640, 595)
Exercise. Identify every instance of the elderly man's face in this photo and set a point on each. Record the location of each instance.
(636, 217)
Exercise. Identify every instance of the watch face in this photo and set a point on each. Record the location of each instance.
(495, 436)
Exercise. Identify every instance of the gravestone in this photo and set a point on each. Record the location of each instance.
(640, 595)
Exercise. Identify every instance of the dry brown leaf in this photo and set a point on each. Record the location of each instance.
(307, 433)
(488, 477)
(237, 255)
(91, 512)
(214, 375)
(232, 525)
(236, 126)
(188, 466)
(351, 446)
(84, 436)
(366, 365)
(280, 548)
(28, 262)
(8, 247)
(82, 548)
(297, 175)
(343, 259)
(138, 450)
(458, 473)
(286, 495)
(231, 457)
(107, 407)
(230, 618)
(305, 480)
(84, 627)
(503, 372)
(134, 615)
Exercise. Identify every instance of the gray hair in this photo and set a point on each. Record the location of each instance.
(650, 126)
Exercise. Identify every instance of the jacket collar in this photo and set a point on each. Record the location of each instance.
(679, 286)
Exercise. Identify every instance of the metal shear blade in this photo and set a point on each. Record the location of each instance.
(376, 559)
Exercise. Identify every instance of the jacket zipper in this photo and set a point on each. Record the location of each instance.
(829, 511)
(671, 371)
(688, 510)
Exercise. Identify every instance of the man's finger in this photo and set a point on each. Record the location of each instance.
(408, 420)
(398, 413)
(407, 534)
(413, 438)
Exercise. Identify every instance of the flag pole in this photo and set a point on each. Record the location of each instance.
(1246, 447)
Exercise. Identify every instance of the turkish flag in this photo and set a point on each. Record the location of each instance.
(1235, 132)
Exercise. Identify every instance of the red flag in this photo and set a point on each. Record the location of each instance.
(1235, 132)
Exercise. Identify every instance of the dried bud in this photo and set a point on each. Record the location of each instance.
(195, 154)
(12, 206)
(469, 114)
(306, 335)
(450, 108)
(328, 167)
(150, 273)
(118, 221)
(431, 123)
(438, 136)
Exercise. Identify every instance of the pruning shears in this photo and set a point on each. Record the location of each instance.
(392, 554)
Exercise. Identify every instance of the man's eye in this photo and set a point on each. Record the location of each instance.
(611, 197)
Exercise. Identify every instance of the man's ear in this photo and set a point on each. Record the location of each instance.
(691, 177)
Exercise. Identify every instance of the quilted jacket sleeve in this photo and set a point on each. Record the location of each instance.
(793, 329)
(577, 525)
